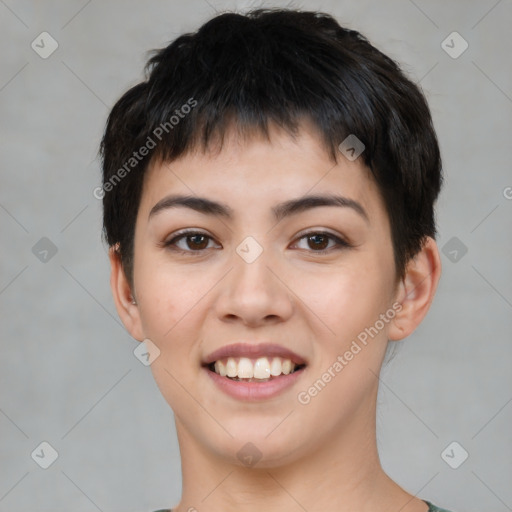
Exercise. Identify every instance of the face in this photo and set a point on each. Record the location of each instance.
(263, 266)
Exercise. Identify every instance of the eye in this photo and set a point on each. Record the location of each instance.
(319, 241)
(191, 241)
(197, 242)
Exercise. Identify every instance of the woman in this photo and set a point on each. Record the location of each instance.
(268, 198)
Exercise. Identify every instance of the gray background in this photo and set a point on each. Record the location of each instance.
(68, 375)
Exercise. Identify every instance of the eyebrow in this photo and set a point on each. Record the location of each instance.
(280, 211)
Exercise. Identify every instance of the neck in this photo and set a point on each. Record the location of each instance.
(342, 473)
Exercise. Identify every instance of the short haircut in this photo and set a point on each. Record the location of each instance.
(279, 66)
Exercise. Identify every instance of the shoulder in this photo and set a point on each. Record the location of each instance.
(433, 508)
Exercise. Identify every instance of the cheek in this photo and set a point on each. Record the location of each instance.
(169, 315)
(173, 308)
(166, 297)
(350, 304)
(347, 299)
(167, 308)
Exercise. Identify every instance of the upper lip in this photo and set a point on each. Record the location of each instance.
(253, 351)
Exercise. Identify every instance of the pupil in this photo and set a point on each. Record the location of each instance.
(194, 239)
(316, 237)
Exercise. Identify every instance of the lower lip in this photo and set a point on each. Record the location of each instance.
(253, 391)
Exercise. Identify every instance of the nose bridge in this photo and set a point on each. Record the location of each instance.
(252, 262)
(251, 273)
(252, 292)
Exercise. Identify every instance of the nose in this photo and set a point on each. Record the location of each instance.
(254, 293)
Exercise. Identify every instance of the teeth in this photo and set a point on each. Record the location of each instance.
(286, 366)
(261, 368)
(245, 369)
(220, 368)
(276, 367)
(231, 368)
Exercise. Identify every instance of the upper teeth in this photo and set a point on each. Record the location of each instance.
(261, 368)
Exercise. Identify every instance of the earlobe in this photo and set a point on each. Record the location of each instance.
(416, 290)
(126, 305)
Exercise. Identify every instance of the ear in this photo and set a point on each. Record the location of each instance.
(416, 290)
(123, 298)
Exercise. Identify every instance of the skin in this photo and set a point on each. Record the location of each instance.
(319, 456)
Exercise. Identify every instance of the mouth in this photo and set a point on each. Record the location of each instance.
(254, 372)
(262, 369)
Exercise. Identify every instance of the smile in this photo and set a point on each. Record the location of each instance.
(261, 369)
(253, 389)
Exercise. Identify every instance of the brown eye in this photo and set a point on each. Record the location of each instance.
(189, 242)
(318, 241)
(197, 242)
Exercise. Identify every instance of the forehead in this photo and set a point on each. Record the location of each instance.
(259, 170)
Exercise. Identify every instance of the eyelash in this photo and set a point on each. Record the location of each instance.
(340, 243)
